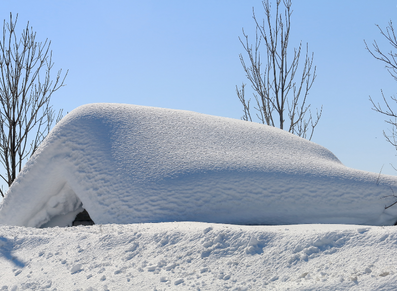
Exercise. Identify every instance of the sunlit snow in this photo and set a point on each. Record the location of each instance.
(199, 256)
(135, 164)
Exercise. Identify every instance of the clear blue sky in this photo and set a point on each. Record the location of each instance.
(185, 55)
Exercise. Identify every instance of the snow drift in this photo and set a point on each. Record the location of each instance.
(199, 256)
(135, 164)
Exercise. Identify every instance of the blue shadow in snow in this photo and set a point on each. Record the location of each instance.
(6, 247)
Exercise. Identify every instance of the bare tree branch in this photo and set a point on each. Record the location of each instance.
(275, 88)
(246, 104)
(390, 61)
(25, 92)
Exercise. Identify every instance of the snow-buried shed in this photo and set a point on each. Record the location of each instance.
(134, 164)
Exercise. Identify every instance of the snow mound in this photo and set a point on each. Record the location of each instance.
(135, 164)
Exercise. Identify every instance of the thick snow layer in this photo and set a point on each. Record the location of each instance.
(199, 256)
(134, 164)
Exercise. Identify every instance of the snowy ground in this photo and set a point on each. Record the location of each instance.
(199, 256)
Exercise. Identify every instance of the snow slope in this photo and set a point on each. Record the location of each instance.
(134, 164)
(199, 256)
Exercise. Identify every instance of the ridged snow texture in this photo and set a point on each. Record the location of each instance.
(135, 164)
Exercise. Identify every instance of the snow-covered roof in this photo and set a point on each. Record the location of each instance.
(135, 164)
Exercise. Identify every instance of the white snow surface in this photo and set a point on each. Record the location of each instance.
(136, 164)
(198, 256)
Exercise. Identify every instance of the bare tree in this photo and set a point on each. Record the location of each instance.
(26, 115)
(280, 91)
(390, 61)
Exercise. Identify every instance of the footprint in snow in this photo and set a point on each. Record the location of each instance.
(76, 269)
(179, 281)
